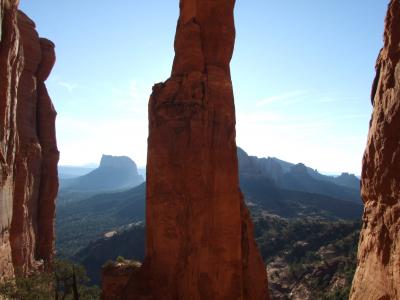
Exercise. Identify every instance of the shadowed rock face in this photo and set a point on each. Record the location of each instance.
(10, 71)
(199, 234)
(378, 271)
(29, 182)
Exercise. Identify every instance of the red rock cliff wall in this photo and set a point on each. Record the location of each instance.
(200, 241)
(10, 70)
(378, 271)
(34, 182)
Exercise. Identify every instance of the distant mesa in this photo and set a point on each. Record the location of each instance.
(122, 162)
(114, 173)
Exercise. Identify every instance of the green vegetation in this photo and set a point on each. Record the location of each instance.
(120, 259)
(313, 255)
(67, 281)
(316, 257)
(80, 222)
(298, 237)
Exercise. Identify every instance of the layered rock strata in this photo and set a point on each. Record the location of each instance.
(378, 271)
(199, 234)
(31, 169)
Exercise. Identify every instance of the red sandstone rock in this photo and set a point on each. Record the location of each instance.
(378, 271)
(49, 174)
(29, 181)
(200, 241)
(48, 59)
(28, 156)
(10, 70)
(117, 276)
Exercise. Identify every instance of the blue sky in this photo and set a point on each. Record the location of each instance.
(301, 71)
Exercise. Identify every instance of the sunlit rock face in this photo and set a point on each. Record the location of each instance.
(378, 270)
(29, 154)
(200, 241)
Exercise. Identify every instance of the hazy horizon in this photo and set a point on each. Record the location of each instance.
(93, 165)
(301, 72)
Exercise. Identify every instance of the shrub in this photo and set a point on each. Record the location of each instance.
(59, 284)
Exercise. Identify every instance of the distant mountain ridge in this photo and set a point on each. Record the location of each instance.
(114, 173)
(298, 177)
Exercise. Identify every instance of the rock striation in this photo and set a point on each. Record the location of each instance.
(29, 182)
(10, 71)
(378, 271)
(199, 233)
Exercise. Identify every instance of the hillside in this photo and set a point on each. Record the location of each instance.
(127, 242)
(306, 258)
(80, 222)
(106, 212)
(261, 194)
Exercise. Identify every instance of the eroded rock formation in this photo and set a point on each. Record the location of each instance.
(200, 241)
(29, 153)
(10, 70)
(378, 271)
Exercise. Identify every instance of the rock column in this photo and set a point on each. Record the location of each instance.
(28, 149)
(36, 184)
(199, 234)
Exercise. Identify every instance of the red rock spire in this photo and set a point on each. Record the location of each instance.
(200, 241)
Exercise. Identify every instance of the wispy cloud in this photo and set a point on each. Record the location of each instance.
(329, 98)
(67, 85)
(309, 96)
(258, 117)
(284, 97)
(132, 97)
